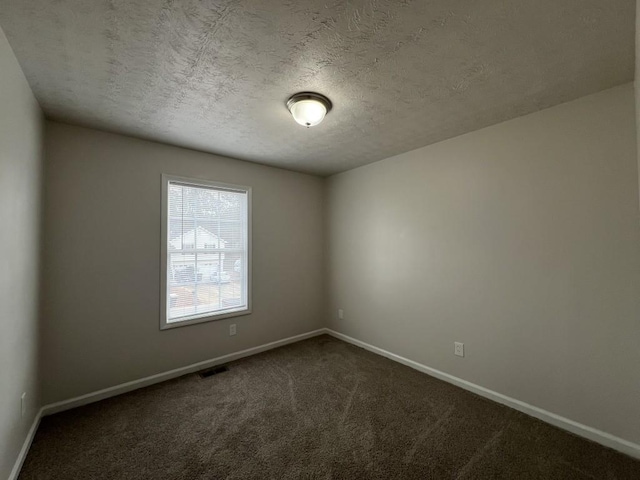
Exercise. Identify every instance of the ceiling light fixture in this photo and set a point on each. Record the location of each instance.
(308, 108)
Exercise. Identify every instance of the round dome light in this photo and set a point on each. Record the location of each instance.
(308, 109)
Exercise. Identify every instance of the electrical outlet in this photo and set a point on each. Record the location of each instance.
(340, 314)
(232, 329)
(23, 404)
(458, 349)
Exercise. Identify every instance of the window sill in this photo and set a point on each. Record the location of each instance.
(204, 318)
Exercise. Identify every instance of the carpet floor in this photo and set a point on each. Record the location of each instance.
(321, 409)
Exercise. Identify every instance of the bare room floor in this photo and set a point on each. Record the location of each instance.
(320, 408)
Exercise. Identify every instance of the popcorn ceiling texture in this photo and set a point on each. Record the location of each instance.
(215, 76)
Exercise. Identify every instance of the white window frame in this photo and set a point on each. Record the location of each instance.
(164, 301)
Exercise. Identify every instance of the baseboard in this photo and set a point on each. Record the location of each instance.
(161, 377)
(25, 447)
(577, 428)
(603, 438)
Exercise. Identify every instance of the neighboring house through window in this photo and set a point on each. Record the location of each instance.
(205, 238)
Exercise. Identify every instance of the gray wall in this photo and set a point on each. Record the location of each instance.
(21, 124)
(637, 84)
(101, 303)
(521, 240)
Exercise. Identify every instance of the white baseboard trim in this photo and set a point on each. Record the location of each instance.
(161, 377)
(25, 447)
(603, 438)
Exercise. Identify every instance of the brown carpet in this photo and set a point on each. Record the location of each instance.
(317, 409)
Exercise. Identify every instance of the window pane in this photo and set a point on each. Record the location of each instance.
(207, 231)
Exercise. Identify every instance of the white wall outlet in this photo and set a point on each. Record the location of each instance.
(340, 314)
(458, 349)
(232, 329)
(23, 404)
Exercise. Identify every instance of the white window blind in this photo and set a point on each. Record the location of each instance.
(206, 252)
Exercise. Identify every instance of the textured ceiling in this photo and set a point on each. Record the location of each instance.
(215, 75)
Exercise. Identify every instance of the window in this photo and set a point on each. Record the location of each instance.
(206, 238)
